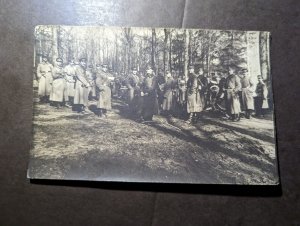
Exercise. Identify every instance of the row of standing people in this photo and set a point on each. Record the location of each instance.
(74, 85)
(174, 95)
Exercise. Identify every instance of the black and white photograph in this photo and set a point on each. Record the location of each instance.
(158, 105)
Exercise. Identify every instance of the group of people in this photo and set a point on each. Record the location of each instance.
(234, 94)
(147, 94)
(74, 85)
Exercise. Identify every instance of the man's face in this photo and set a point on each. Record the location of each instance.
(83, 63)
(149, 71)
(201, 71)
(134, 72)
(72, 62)
(231, 71)
(45, 59)
(104, 68)
(191, 70)
(59, 64)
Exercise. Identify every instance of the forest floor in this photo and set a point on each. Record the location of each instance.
(73, 146)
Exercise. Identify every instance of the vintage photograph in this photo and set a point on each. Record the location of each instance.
(161, 105)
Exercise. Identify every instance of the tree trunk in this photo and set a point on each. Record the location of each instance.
(153, 50)
(166, 53)
(54, 44)
(186, 54)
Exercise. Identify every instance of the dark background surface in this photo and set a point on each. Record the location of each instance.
(53, 203)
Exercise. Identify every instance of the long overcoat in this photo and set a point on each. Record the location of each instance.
(194, 96)
(102, 83)
(150, 102)
(168, 89)
(44, 74)
(232, 87)
(247, 101)
(59, 85)
(70, 79)
(81, 87)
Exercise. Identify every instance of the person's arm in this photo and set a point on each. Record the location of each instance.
(38, 72)
(265, 92)
(238, 84)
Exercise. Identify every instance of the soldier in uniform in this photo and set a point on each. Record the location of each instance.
(90, 76)
(246, 93)
(181, 97)
(44, 75)
(103, 85)
(81, 86)
(132, 82)
(70, 80)
(204, 89)
(160, 80)
(57, 95)
(261, 101)
(194, 96)
(232, 88)
(168, 89)
(149, 88)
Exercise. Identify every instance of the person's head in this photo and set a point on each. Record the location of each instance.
(104, 67)
(44, 58)
(168, 73)
(72, 62)
(201, 71)
(59, 62)
(260, 79)
(232, 69)
(134, 71)
(149, 70)
(82, 62)
(191, 69)
(243, 73)
(90, 67)
(98, 66)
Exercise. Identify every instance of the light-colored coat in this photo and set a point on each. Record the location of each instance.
(44, 74)
(194, 97)
(69, 76)
(168, 88)
(232, 87)
(81, 87)
(102, 82)
(59, 85)
(247, 90)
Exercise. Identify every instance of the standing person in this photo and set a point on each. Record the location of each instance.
(103, 85)
(58, 85)
(232, 88)
(44, 75)
(70, 80)
(160, 80)
(247, 90)
(81, 87)
(149, 88)
(213, 90)
(194, 99)
(261, 101)
(204, 89)
(132, 82)
(90, 76)
(181, 96)
(168, 92)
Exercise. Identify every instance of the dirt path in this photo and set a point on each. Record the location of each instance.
(72, 146)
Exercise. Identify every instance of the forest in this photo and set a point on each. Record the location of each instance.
(163, 48)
